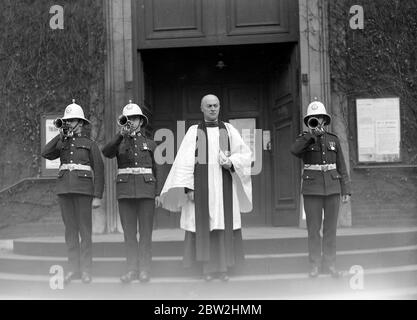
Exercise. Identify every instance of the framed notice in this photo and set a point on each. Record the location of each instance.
(379, 132)
(48, 131)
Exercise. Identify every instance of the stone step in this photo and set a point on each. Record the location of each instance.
(52, 219)
(113, 246)
(255, 264)
(379, 283)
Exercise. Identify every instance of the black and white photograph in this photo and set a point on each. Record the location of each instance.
(208, 156)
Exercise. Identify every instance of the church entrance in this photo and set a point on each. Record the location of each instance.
(256, 85)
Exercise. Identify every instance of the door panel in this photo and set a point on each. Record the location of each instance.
(242, 98)
(173, 19)
(285, 169)
(285, 115)
(185, 23)
(244, 101)
(256, 17)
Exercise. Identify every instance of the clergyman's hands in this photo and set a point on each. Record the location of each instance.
(190, 195)
(224, 161)
(345, 198)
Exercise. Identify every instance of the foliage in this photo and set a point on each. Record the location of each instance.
(378, 61)
(42, 70)
(27, 202)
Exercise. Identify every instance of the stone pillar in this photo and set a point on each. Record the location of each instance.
(315, 75)
(118, 91)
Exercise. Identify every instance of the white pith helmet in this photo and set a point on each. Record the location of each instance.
(74, 111)
(132, 109)
(316, 108)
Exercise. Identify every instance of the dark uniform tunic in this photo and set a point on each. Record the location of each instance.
(136, 194)
(321, 191)
(75, 190)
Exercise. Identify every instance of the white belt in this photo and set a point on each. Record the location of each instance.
(320, 167)
(135, 171)
(74, 166)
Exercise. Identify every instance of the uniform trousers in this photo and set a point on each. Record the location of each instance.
(322, 252)
(77, 216)
(132, 211)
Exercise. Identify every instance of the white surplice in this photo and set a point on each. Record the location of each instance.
(181, 176)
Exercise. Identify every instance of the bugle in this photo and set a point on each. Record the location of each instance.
(58, 123)
(63, 127)
(313, 123)
(125, 123)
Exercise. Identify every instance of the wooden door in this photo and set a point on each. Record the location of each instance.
(285, 123)
(186, 23)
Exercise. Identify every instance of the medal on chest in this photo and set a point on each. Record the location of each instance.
(332, 145)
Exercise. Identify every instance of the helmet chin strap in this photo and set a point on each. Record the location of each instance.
(75, 127)
(139, 127)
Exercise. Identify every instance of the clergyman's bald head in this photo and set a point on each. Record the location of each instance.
(209, 99)
(210, 107)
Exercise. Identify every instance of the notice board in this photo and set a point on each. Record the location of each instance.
(49, 131)
(378, 130)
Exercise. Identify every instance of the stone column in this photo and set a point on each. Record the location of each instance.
(315, 76)
(118, 90)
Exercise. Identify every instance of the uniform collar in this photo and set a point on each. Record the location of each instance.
(79, 135)
(135, 134)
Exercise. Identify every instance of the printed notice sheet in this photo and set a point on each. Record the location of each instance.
(379, 133)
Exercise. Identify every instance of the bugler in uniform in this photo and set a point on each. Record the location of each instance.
(324, 178)
(80, 178)
(136, 188)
